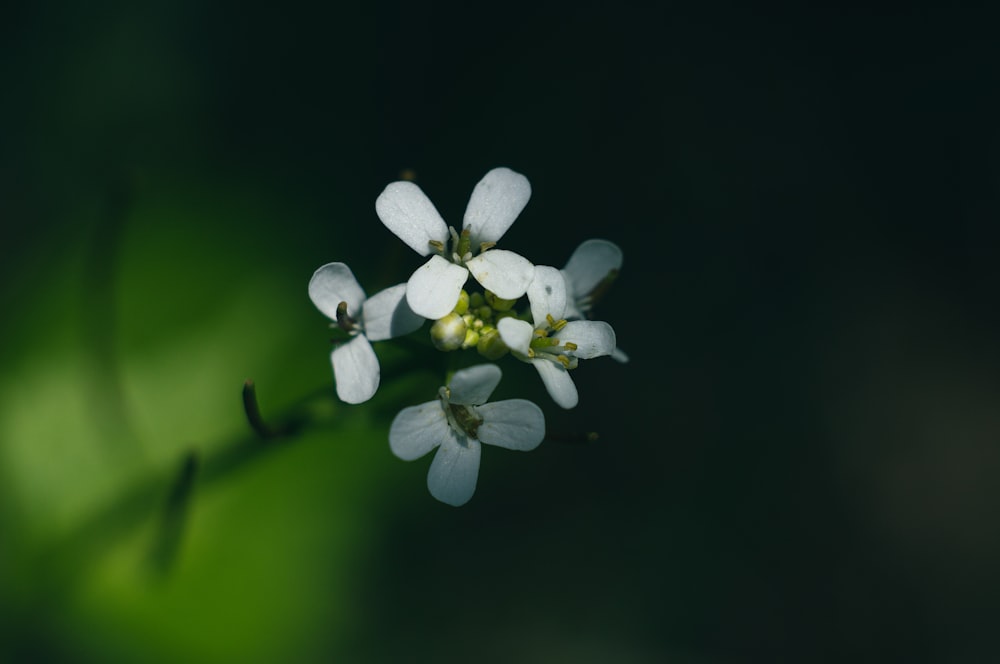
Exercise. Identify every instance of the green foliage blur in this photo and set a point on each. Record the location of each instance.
(799, 463)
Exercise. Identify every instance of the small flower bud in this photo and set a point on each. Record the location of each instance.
(448, 333)
(476, 300)
(490, 345)
(471, 338)
(499, 303)
(463, 303)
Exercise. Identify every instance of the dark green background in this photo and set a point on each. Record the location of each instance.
(799, 464)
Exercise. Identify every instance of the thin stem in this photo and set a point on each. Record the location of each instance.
(293, 422)
(175, 513)
(253, 411)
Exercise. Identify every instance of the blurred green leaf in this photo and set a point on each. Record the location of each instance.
(198, 300)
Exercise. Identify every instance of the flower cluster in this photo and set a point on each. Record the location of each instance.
(552, 331)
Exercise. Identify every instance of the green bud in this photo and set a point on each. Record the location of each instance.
(448, 333)
(484, 312)
(490, 345)
(476, 300)
(463, 303)
(471, 338)
(499, 303)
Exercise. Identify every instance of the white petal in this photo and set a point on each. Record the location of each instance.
(593, 338)
(574, 307)
(454, 471)
(619, 355)
(516, 334)
(332, 284)
(474, 385)
(573, 312)
(558, 382)
(387, 315)
(432, 291)
(590, 263)
(355, 370)
(547, 294)
(516, 424)
(495, 203)
(417, 430)
(505, 273)
(406, 211)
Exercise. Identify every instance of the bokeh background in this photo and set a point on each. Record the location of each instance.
(800, 463)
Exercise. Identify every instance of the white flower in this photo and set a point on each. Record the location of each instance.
(593, 265)
(456, 423)
(434, 288)
(335, 292)
(588, 273)
(552, 345)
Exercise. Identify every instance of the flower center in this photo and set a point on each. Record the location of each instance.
(462, 419)
(461, 246)
(472, 324)
(345, 323)
(543, 346)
